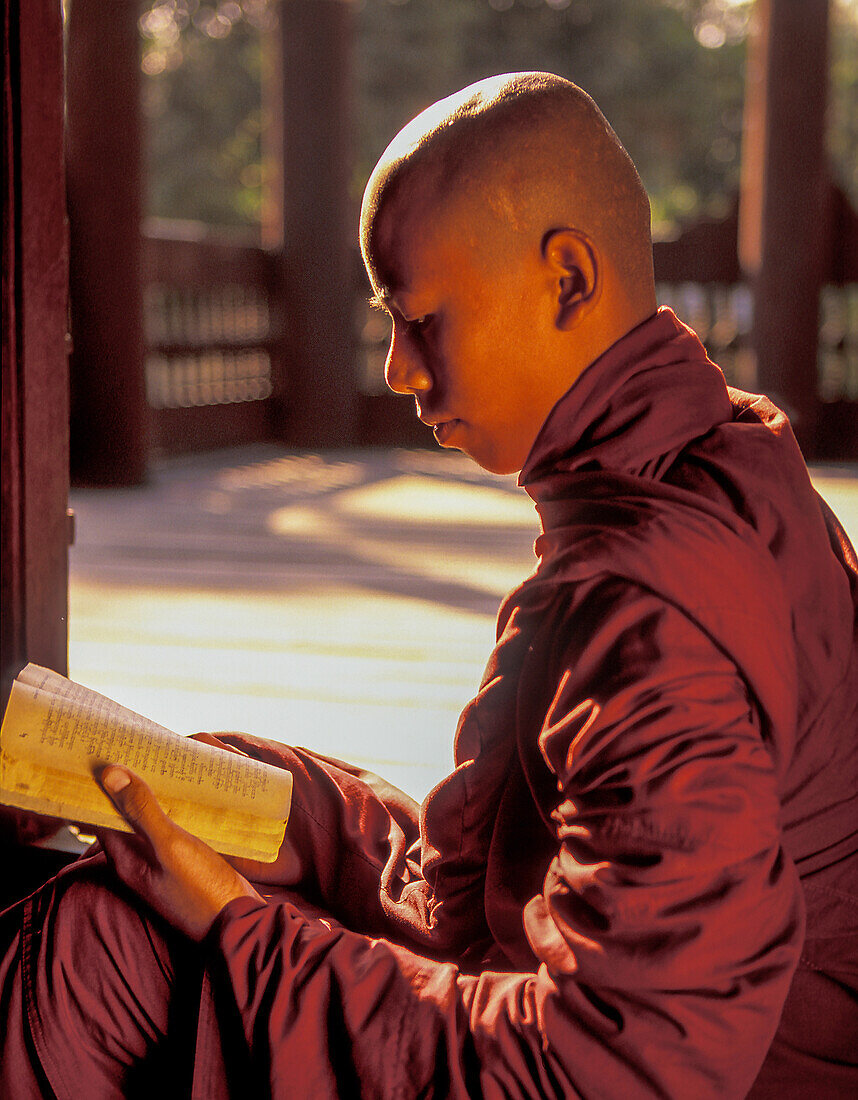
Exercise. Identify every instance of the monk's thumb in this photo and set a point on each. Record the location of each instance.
(134, 800)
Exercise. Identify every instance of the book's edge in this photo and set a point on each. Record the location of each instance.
(279, 778)
(265, 851)
(91, 693)
(109, 818)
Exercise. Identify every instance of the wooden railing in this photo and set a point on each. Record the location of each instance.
(698, 275)
(215, 338)
(218, 351)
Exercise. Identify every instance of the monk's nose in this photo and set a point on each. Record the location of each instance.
(404, 371)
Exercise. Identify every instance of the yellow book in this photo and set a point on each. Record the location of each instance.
(56, 735)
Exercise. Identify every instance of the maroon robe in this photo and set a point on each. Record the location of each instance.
(640, 879)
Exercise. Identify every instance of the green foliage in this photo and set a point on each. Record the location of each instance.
(203, 107)
(843, 114)
(675, 104)
(669, 74)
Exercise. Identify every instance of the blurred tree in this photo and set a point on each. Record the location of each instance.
(843, 120)
(669, 74)
(203, 108)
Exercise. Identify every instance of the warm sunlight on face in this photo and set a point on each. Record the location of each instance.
(466, 335)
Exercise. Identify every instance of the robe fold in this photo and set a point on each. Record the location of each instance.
(640, 880)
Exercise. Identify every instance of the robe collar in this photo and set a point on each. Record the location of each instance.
(597, 475)
(633, 409)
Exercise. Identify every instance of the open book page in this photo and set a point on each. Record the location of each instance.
(56, 733)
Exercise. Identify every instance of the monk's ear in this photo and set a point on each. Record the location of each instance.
(576, 274)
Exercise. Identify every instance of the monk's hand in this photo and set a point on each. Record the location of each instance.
(176, 873)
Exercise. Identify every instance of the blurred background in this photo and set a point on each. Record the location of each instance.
(218, 149)
(669, 74)
(212, 510)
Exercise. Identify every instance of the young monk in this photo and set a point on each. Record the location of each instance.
(640, 879)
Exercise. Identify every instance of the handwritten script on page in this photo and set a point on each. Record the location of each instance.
(56, 734)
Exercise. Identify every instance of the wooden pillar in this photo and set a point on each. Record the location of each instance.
(109, 415)
(318, 398)
(34, 483)
(784, 233)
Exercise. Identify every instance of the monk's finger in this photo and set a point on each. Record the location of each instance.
(128, 854)
(135, 801)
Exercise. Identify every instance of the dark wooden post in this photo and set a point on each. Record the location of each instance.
(35, 369)
(318, 399)
(109, 412)
(784, 236)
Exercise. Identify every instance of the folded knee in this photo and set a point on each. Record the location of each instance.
(100, 975)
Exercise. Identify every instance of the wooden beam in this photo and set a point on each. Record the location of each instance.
(109, 412)
(318, 397)
(35, 368)
(784, 234)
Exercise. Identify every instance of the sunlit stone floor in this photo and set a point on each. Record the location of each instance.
(344, 601)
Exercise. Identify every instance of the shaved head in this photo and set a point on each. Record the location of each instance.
(506, 232)
(528, 152)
